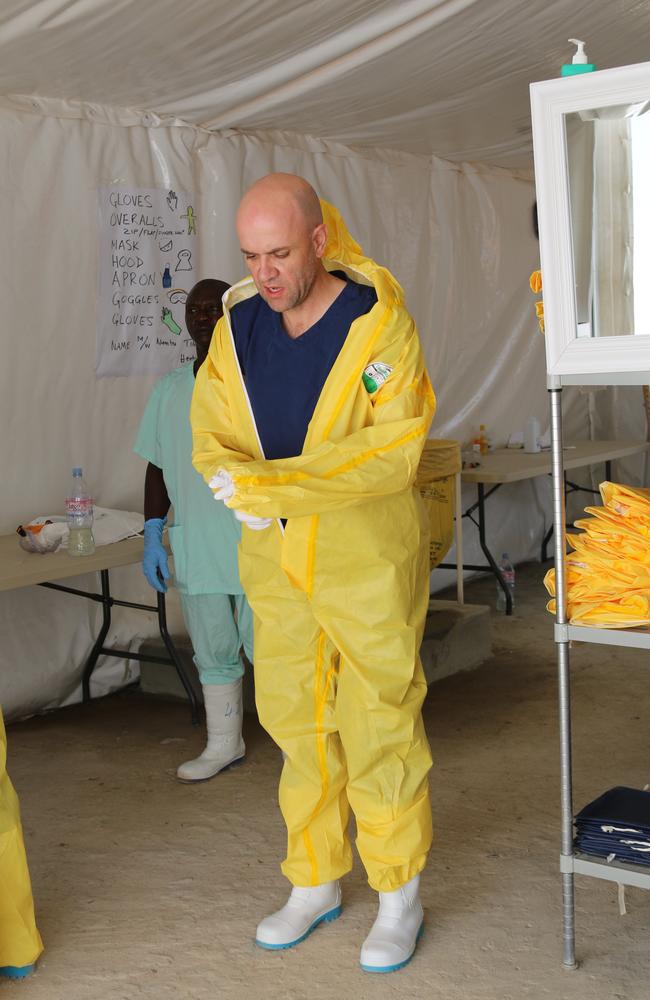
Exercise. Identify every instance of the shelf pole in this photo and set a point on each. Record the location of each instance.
(564, 689)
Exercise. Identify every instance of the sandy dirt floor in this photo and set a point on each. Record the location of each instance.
(147, 888)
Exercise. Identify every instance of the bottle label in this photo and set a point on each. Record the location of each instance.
(79, 506)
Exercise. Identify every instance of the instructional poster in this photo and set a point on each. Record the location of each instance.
(147, 266)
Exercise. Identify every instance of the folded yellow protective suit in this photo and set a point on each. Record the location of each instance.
(608, 572)
(20, 942)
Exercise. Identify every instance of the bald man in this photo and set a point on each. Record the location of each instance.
(309, 418)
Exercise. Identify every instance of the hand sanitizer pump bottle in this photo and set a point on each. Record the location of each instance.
(579, 63)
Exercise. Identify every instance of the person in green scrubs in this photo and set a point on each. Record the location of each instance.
(204, 537)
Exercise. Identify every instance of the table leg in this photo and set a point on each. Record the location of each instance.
(486, 552)
(458, 532)
(99, 649)
(175, 659)
(91, 662)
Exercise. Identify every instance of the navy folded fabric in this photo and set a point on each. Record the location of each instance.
(620, 806)
(617, 823)
(615, 850)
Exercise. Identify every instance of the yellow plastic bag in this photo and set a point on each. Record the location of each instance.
(629, 505)
(630, 611)
(610, 545)
(438, 466)
(586, 584)
(611, 522)
(633, 496)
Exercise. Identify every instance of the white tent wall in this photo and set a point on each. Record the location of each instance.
(458, 236)
(56, 413)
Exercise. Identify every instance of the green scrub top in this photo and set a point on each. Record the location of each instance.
(205, 534)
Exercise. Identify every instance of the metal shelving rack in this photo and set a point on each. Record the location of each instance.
(614, 355)
(573, 862)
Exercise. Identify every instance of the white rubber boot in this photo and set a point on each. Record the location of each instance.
(395, 932)
(306, 909)
(225, 746)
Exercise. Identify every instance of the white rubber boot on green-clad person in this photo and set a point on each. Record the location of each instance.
(225, 745)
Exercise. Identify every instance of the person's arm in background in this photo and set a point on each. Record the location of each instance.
(156, 508)
(156, 497)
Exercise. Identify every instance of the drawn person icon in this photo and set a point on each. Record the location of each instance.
(167, 277)
(184, 263)
(191, 221)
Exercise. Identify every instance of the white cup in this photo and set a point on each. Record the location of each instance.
(532, 435)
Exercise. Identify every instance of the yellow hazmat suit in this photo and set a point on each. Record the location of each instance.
(339, 596)
(20, 942)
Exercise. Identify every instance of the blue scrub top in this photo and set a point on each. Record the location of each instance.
(284, 378)
(205, 534)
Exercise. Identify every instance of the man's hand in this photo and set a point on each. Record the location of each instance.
(253, 522)
(224, 489)
(154, 562)
(222, 485)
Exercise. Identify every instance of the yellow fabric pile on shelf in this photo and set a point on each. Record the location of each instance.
(438, 466)
(608, 572)
(535, 282)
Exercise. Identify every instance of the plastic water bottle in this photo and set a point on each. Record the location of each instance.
(508, 574)
(79, 513)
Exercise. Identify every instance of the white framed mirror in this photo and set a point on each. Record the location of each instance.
(591, 138)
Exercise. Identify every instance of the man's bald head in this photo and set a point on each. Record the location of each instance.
(284, 193)
(282, 236)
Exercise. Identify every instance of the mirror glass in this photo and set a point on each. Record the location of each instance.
(608, 156)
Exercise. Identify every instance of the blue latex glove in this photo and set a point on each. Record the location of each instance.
(154, 562)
